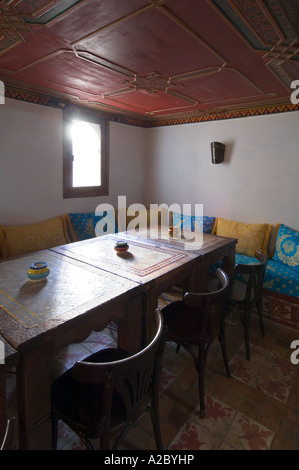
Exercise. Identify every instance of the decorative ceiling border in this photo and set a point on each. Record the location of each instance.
(60, 103)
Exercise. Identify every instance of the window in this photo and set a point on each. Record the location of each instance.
(85, 160)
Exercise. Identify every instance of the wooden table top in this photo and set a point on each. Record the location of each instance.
(143, 262)
(10, 355)
(30, 309)
(191, 242)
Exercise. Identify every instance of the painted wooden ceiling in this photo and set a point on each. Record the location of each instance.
(151, 59)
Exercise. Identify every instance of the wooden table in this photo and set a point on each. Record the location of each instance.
(209, 250)
(39, 318)
(156, 262)
(8, 359)
(156, 267)
(89, 285)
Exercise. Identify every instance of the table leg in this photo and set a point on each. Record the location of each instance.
(229, 262)
(34, 400)
(2, 402)
(130, 326)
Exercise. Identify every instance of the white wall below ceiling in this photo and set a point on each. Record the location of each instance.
(31, 156)
(257, 182)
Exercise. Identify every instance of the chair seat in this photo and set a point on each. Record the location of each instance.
(195, 322)
(182, 322)
(238, 291)
(246, 292)
(80, 404)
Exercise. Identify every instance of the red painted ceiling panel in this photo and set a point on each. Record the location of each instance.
(151, 58)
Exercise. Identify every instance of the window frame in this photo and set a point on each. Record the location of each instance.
(69, 191)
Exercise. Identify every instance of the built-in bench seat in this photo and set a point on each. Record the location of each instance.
(281, 283)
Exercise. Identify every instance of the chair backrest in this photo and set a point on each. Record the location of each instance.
(7, 443)
(133, 380)
(210, 305)
(256, 274)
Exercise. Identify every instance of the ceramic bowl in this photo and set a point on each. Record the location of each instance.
(121, 247)
(38, 271)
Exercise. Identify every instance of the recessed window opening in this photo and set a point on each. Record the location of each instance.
(85, 158)
(86, 149)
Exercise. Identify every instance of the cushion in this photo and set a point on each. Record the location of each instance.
(251, 237)
(18, 240)
(287, 247)
(85, 223)
(186, 221)
(279, 277)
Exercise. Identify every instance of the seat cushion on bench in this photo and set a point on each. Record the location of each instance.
(279, 277)
(19, 240)
(188, 222)
(89, 224)
(251, 237)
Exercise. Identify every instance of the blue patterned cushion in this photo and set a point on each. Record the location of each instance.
(278, 277)
(244, 259)
(281, 278)
(187, 221)
(287, 247)
(84, 224)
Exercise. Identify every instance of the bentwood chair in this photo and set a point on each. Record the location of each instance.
(246, 293)
(7, 443)
(195, 322)
(103, 396)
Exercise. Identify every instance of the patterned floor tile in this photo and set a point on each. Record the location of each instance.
(99, 340)
(218, 418)
(247, 434)
(266, 372)
(193, 436)
(72, 353)
(167, 378)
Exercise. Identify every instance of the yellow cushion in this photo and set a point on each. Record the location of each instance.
(251, 237)
(18, 240)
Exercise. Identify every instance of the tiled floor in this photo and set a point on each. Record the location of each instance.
(257, 408)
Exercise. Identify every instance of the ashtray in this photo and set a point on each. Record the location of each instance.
(121, 246)
(38, 271)
(173, 230)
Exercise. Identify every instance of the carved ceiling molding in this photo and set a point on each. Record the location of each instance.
(269, 27)
(35, 95)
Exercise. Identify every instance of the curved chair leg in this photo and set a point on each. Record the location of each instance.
(246, 330)
(222, 340)
(260, 313)
(54, 431)
(224, 353)
(202, 354)
(156, 426)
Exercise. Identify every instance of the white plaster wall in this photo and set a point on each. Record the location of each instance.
(257, 182)
(31, 165)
